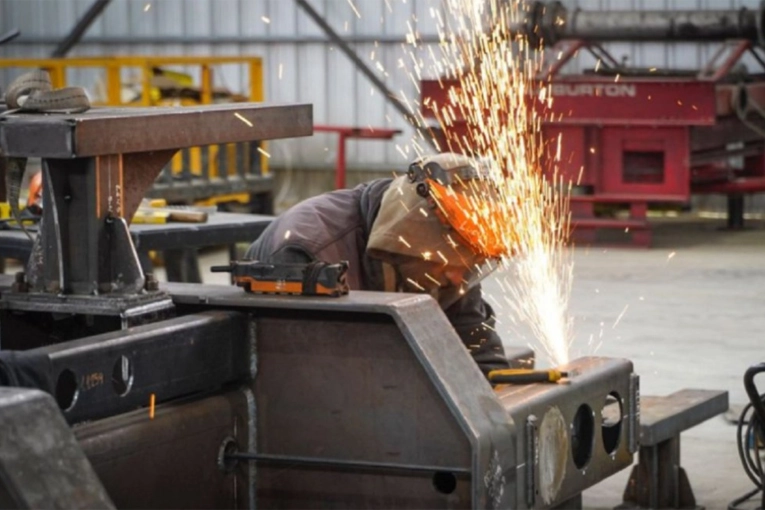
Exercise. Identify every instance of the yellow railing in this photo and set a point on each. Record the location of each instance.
(57, 67)
(112, 86)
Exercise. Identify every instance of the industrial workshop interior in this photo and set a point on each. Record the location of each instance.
(395, 254)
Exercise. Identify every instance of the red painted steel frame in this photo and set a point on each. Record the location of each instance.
(346, 132)
(640, 135)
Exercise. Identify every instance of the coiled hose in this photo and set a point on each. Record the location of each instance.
(750, 433)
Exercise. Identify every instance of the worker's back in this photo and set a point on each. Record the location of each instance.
(331, 227)
(335, 226)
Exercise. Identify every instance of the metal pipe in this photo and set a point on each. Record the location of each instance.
(551, 22)
(298, 460)
(80, 28)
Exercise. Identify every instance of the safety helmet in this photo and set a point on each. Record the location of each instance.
(442, 218)
(463, 193)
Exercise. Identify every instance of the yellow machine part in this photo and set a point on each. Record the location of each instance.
(239, 198)
(144, 217)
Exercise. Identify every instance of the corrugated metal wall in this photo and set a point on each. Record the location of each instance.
(300, 65)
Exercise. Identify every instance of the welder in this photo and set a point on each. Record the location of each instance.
(405, 234)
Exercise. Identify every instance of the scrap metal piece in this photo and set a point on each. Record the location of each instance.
(41, 464)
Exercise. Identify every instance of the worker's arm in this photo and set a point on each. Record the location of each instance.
(286, 255)
(473, 319)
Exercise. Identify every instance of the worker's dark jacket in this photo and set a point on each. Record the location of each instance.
(335, 226)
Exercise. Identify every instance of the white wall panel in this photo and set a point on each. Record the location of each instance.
(311, 71)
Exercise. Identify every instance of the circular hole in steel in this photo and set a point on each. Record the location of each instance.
(582, 433)
(122, 376)
(445, 482)
(67, 390)
(611, 421)
(229, 447)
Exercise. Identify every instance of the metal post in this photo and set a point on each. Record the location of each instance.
(80, 28)
(735, 211)
(366, 71)
(340, 165)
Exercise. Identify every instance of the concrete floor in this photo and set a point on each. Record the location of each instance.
(695, 318)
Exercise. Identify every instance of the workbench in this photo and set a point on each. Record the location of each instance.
(179, 242)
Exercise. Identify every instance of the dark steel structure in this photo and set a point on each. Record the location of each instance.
(201, 396)
(365, 401)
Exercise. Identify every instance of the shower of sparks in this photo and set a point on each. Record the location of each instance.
(240, 117)
(619, 318)
(355, 10)
(522, 206)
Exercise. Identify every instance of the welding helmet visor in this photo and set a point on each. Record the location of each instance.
(465, 195)
(446, 283)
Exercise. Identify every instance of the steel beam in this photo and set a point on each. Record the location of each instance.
(79, 29)
(107, 374)
(105, 131)
(9, 36)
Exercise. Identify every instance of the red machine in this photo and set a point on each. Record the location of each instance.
(638, 136)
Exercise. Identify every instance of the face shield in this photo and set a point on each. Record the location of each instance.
(446, 283)
(440, 228)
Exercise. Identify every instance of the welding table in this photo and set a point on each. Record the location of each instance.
(179, 242)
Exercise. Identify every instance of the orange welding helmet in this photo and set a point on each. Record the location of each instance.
(462, 192)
